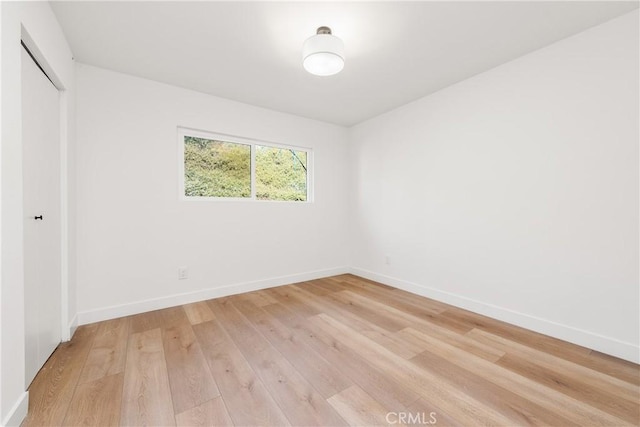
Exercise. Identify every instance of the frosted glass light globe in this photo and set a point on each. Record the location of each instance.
(323, 54)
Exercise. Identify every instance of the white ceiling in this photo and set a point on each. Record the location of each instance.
(251, 51)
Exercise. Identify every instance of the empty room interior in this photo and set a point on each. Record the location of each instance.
(320, 213)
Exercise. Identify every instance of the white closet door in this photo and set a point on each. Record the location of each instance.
(42, 225)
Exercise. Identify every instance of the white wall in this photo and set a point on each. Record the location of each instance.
(515, 193)
(133, 232)
(35, 22)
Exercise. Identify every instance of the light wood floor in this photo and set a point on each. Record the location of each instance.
(328, 352)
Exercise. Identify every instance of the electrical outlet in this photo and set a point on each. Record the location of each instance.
(183, 273)
(387, 259)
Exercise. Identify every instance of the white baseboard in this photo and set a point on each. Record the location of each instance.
(73, 325)
(143, 306)
(612, 346)
(18, 411)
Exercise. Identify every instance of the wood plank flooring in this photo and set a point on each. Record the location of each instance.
(329, 352)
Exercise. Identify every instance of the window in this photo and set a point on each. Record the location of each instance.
(281, 174)
(216, 168)
(226, 167)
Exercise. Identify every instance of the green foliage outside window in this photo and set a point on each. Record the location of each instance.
(281, 174)
(223, 169)
(216, 168)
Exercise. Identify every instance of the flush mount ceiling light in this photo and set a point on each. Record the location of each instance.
(323, 54)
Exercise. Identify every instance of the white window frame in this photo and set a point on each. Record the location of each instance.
(197, 133)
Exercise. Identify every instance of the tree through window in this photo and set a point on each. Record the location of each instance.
(219, 168)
